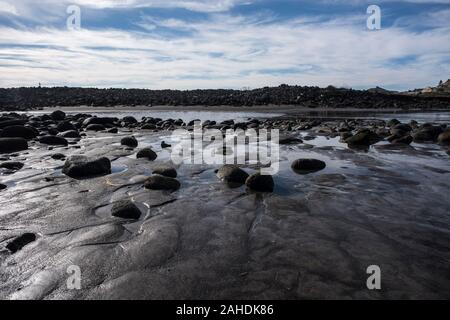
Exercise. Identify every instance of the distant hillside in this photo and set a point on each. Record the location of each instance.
(311, 97)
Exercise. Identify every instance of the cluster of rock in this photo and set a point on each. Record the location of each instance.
(59, 129)
(312, 97)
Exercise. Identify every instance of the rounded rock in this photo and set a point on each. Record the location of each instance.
(8, 145)
(95, 127)
(53, 140)
(80, 167)
(12, 165)
(129, 142)
(58, 115)
(232, 175)
(260, 183)
(147, 153)
(304, 166)
(165, 171)
(158, 182)
(18, 132)
(125, 209)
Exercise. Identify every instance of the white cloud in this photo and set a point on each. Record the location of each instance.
(226, 51)
(6, 7)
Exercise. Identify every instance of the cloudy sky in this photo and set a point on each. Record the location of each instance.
(185, 44)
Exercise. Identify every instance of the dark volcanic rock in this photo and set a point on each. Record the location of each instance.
(20, 242)
(18, 132)
(158, 182)
(95, 120)
(392, 123)
(65, 126)
(95, 127)
(290, 140)
(3, 186)
(53, 140)
(129, 120)
(232, 175)
(82, 167)
(113, 130)
(8, 145)
(12, 122)
(260, 183)
(125, 209)
(148, 126)
(427, 133)
(407, 139)
(58, 115)
(58, 156)
(12, 165)
(444, 137)
(364, 137)
(165, 145)
(70, 134)
(165, 171)
(129, 142)
(304, 166)
(146, 153)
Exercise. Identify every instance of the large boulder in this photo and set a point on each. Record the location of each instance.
(129, 120)
(125, 209)
(158, 182)
(364, 137)
(12, 122)
(444, 137)
(129, 142)
(58, 115)
(8, 145)
(53, 140)
(18, 132)
(102, 120)
(12, 165)
(148, 126)
(427, 133)
(166, 171)
(232, 175)
(79, 167)
(260, 183)
(70, 134)
(406, 139)
(304, 166)
(392, 123)
(95, 127)
(146, 153)
(65, 126)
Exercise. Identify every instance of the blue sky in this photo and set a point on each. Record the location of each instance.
(190, 44)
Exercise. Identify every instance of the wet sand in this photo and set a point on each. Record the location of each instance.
(312, 238)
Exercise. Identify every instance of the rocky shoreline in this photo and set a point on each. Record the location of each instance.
(302, 97)
(101, 193)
